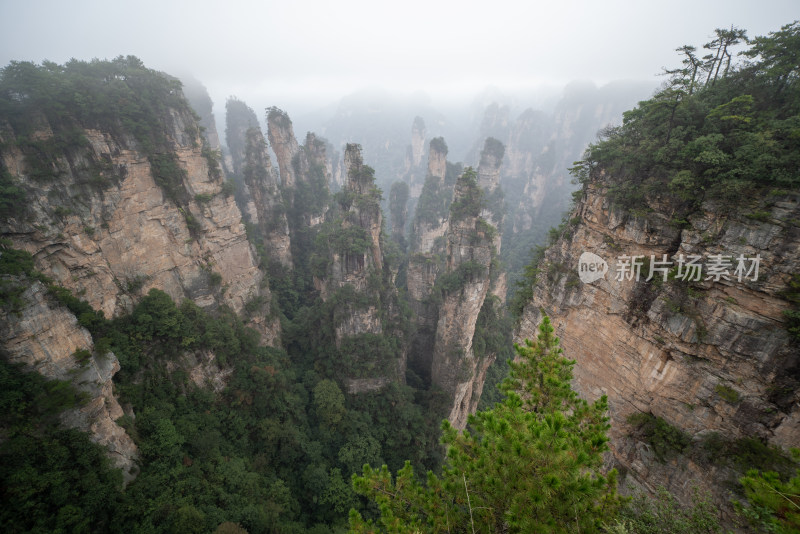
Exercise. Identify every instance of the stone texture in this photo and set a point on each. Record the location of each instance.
(103, 228)
(283, 143)
(363, 272)
(442, 349)
(665, 348)
(263, 199)
(112, 244)
(43, 336)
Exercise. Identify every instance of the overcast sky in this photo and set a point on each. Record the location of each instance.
(325, 49)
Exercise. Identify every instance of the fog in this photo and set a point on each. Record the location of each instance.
(304, 55)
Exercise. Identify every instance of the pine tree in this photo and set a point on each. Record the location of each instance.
(531, 464)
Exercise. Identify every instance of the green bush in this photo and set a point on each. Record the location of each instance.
(727, 394)
(664, 439)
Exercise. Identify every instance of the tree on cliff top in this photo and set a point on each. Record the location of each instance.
(531, 464)
(717, 131)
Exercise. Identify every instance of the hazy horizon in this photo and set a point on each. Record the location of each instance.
(304, 57)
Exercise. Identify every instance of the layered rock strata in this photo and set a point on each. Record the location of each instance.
(711, 355)
(45, 336)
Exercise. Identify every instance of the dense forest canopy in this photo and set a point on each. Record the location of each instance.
(719, 129)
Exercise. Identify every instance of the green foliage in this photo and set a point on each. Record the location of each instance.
(728, 394)
(12, 196)
(743, 454)
(398, 201)
(722, 137)
(329, 402)
(13, 261)
(16, 271)
(792, 295)
(468, 200)
(456, 280)
(665, 439)
(532, 464)
(438, 144)
(524, 286)
(50, 479)
(120, 96)
(664, 515)
(493, 147)
(773, 504)
(493, 337)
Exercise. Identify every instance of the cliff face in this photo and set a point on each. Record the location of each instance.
(264, 203)
(450, 273)
(358, 284)
(44, 336)
(413, 167)
(469, 256)
(114, 242)
(426, 254)
(260, 198)
(432, 209)
(113, 208)
(361, 220)
(197, 95)
(239, 119)
(284, 144)
(707, 356)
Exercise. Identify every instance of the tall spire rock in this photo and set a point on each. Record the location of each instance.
(417, 141)
(398, 211)
(493, 203)
(452, 270)
(264, 201)
(351, 276)
(284, 144)
(259, 197)
(361, 219)
(464, 284)
(427, 253)
(314, 178)
(434, 201)
(239, 118)
(414, 169)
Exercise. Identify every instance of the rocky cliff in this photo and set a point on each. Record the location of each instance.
(284, 144)
(426, 254)
(708, 354)
(451, 270)
(541, 145)
(119, 200)
(113, 234)
(260, 198)
(353, 277)
(414, 169)
(46, 337)
(239, 119)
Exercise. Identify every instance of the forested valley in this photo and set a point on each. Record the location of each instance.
(197, 340)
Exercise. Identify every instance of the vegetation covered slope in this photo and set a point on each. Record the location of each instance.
(718, 130)
(230, 432)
